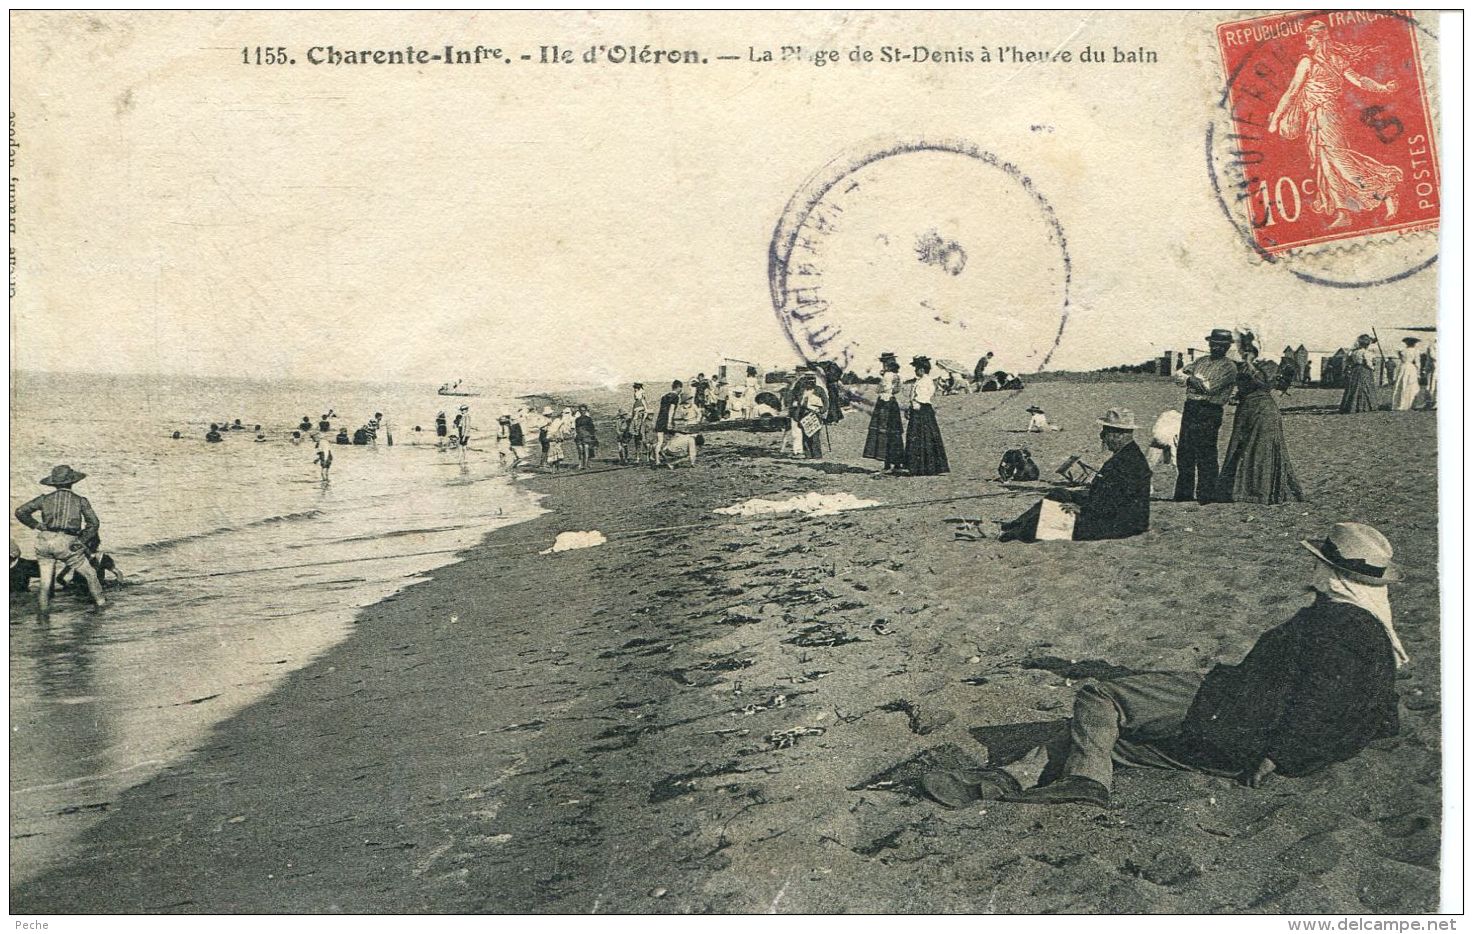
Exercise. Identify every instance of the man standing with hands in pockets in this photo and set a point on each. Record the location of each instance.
(1209, 383)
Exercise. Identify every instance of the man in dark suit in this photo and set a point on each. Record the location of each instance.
(1313, 691)
(1117, 503)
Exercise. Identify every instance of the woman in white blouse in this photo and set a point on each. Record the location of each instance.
(925, 455)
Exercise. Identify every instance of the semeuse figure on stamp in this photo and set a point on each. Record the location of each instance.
(1345, 180)
(1313, 691)
(1210, 382)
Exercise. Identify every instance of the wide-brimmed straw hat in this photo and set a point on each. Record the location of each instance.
(63, 475)
(1035, 410)
(547, 410)
(1357, 551)
(1409, 341)
(1119, 419)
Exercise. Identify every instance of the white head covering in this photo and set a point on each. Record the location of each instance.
(1373, 600)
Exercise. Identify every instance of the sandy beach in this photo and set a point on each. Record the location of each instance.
(726, 715)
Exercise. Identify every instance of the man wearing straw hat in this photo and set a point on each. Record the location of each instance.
(67, 522)
(1311, 692)
(1117, 503)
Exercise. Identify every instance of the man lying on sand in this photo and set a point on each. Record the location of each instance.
(1118, 501)
(1313, 691)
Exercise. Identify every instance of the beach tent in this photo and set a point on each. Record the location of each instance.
(958, 376)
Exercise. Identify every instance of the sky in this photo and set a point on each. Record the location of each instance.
(177, 211)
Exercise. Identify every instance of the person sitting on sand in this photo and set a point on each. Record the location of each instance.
(306, 424)
(1038, 420)
(213, 435)
(1313, 691)
(1117, 503)
(342, 437)
(296, 437)
(682, 445)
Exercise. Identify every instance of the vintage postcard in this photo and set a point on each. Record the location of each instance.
(725, 463)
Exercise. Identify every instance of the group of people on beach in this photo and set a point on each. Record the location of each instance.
(1313, 691)
(1414, 376)
(910, 446)
(555, 430)
(1256, 468)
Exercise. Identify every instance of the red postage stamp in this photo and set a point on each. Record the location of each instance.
(1332, 130)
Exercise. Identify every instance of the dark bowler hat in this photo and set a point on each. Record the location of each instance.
(887, 356)
(920, 361)
(1035, 410)
(63, 475)
(1220, 336)
(1357, 551)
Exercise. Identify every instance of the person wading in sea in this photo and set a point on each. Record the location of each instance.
(66, 521)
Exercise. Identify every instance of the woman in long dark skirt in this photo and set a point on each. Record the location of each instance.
(1257, 468)
(925, 455)
(1360, 378)
(885, 440)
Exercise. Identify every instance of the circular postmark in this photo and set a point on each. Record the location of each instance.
(921, 246)
(1321, 152)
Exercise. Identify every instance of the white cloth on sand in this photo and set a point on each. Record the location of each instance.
(571, 541)
(816, 504)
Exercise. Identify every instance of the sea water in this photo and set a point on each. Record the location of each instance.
(202, 627)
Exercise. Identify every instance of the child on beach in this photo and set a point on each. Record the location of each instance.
(585, 435)
(324, 462)
(625, 436)
(516, 437)
(1038, 420)
(503, 438)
